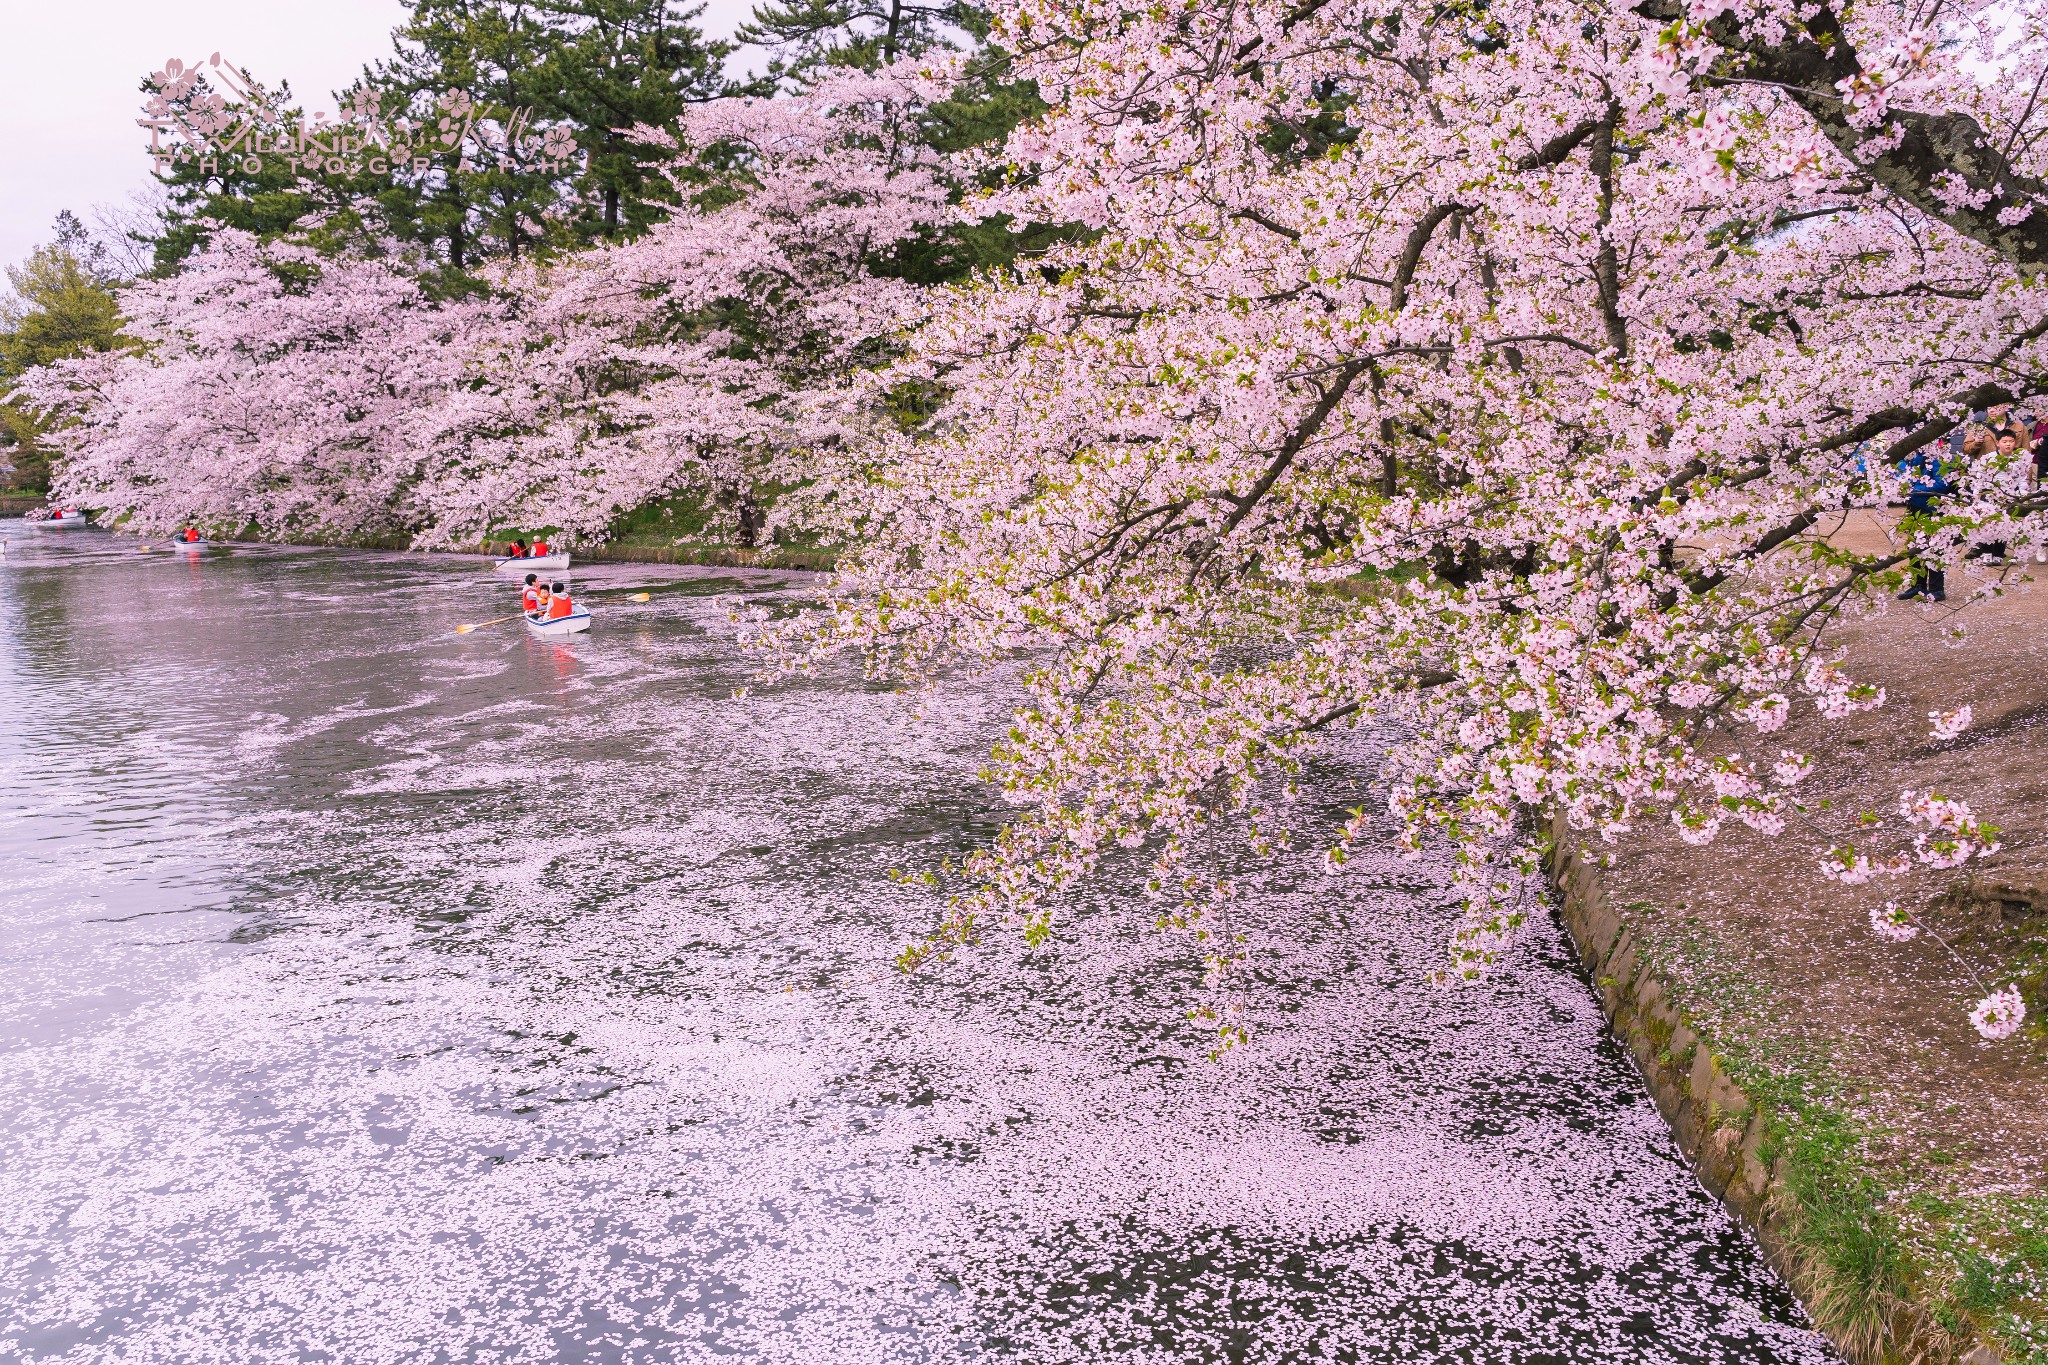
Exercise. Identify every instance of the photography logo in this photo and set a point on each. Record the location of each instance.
(214, 116)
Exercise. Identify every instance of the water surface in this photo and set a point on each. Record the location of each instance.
(373, 993)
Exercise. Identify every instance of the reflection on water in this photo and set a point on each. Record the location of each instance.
(374, 993)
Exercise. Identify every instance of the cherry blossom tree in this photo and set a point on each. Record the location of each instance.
(326, 395)
(276, 390)
(1490, 373)
(718, 349)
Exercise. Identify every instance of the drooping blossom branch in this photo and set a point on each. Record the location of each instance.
(1496, 351)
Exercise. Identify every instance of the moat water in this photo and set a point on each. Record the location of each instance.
(375, 994)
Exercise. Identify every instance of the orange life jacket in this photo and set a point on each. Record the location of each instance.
(540, 547)
(530, 599)
(560, 605)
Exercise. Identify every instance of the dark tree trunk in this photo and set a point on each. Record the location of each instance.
(750, 517)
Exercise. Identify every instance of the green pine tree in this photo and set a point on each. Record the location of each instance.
(60, 305)
(806, 35)
(472, 204)
(615, 65)
(202, 191)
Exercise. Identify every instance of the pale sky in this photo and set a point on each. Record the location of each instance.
(67, 133)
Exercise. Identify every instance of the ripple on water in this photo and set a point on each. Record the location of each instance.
(531, 1003)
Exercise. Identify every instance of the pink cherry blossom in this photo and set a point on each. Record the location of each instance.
(1999, 1014)
(1948, 724)
(1891, 922)
(1442, 417)
(1490, 383)
(308, 395)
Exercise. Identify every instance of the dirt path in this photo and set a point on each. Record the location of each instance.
(1784, 971)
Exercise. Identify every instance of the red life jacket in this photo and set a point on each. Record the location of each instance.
(530, 599)
(560, 605)
(540, 547)
(190, 535)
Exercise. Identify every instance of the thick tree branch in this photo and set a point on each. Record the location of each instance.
(1340, 384)
(1809, 63)
(1412, 249)
(1254, 216)
(1606, 263)
(1558, 148)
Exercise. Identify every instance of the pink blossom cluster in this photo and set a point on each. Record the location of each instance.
(1948, 724)
(1496, 379)
(1999, 1015)
(1836, 695)
(1955, 834)
(275, 388)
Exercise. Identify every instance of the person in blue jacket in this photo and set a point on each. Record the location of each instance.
(1926, 472)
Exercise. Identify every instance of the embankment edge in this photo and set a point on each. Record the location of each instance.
(1724, 1133)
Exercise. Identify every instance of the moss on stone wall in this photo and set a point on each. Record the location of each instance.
(1795, 1169)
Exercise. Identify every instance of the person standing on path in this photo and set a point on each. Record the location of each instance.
(1926, 475)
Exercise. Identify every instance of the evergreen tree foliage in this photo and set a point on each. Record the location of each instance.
(202, 192)
(980, 112)
(59, 306)
(601, 68)
(806, 35)
(613, 66)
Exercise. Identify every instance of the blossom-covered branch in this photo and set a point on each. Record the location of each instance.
(1418, 344)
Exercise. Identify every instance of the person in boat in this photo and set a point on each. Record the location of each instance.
(559, 603)
(540, 547)
(191, 535)
(529, 597)
(518, 550)
(539, 609)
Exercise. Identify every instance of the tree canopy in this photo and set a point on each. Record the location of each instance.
(1490, 373)
(58, 307)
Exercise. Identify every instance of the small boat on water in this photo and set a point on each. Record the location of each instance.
(69, 516)
(533, 563)
(191, 546)
(575, 623)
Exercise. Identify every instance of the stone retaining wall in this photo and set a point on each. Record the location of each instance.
(726, 556)
(732, 557)
(1720, 1130)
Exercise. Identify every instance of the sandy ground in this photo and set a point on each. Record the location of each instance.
(1784, 965)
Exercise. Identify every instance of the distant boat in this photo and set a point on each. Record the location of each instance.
(70, 516)
(191, 545)
(558, 560)
(575, 623)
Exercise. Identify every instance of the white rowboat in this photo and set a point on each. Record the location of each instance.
(56, 519)
(191, 545)
(532, 563)
(575, 623)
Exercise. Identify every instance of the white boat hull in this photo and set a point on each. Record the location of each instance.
(534, 563)
(191, 546)
(575, 623)
(53, 523)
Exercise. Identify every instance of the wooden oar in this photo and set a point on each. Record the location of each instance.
(464, 630)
